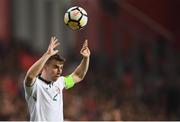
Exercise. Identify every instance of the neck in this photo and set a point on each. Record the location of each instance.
(44, 78)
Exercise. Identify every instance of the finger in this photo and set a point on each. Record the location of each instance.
(52, 41)
(56, 51)
(55, 45)
(85, 44)
(83, 49)
(52, 38)
(55, 41)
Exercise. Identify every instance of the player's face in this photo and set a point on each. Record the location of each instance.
(54, 70)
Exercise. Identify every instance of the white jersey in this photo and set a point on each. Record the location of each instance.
(45, 101)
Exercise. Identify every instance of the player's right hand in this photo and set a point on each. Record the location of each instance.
(52, 46)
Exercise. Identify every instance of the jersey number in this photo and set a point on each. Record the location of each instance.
(55, 97)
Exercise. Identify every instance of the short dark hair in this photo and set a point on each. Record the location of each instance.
(56, 57)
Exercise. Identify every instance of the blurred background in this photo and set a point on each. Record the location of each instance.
(134, 71)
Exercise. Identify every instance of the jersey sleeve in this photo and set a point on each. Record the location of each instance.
(29, 90)
(68, 82)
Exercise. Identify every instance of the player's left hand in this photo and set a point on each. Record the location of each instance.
(85, 52)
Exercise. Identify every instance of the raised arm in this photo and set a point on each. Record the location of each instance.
(81, 70)
(35, 69)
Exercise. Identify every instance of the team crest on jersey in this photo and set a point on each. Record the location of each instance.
(57, 91)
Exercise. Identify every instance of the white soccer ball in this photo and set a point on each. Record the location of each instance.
(76, 18)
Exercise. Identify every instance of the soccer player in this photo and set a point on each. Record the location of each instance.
(44, 84)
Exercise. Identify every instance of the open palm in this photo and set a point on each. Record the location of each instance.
(53, 44)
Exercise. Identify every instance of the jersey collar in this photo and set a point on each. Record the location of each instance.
(47, 82)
